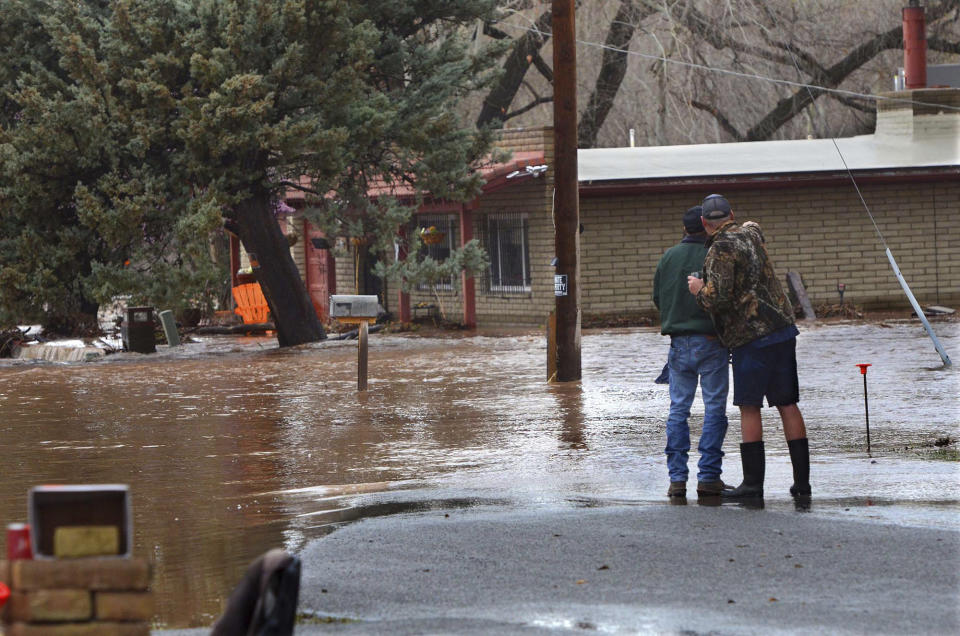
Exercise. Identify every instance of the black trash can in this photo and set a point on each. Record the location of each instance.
(138, 332)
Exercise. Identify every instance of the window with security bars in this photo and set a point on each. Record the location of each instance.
(505, 236)
(439, 234)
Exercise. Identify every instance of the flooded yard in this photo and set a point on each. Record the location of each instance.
(232, 446)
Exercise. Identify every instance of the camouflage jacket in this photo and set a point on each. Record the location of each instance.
(742, 293)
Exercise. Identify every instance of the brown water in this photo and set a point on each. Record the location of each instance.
(231, 446)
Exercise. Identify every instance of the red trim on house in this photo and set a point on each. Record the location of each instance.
(496, 175)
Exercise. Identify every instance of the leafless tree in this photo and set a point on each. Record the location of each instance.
(695, 71)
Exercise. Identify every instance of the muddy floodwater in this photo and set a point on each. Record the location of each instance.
(231, 446)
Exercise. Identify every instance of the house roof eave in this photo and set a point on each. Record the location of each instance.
(625, 187)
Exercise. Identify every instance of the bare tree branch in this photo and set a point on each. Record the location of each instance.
(788, 107)
(515, 67)
(545, 69)
(612, 71)
(945, 46)
(855, 103)
(722, 120)
(536, 102)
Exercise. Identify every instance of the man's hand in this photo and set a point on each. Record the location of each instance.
(694, 284)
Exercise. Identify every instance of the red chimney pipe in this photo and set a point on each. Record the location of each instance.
(914, 46)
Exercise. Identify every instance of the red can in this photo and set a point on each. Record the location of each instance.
(18, 542)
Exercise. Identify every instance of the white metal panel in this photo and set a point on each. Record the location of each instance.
(866, 152)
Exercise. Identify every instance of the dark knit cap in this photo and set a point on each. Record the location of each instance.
(692, 222)
(715, 207)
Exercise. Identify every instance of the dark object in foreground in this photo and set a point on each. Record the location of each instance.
(265, 601)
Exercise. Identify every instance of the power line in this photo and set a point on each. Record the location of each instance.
(741, 74)
(893, 263)
(843, 159)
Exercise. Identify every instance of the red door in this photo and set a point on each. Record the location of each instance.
(321, 273)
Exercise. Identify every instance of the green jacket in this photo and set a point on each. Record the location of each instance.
(742, 292)
(679, 312)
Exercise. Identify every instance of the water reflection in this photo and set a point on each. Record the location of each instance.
(247, 447)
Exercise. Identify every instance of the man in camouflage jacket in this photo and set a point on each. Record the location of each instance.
(754, 318)
(742, 292)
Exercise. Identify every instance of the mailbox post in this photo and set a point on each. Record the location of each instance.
(361, 311)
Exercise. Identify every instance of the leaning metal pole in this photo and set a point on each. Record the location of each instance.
(566, 200)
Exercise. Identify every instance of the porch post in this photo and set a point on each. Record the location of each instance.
(403, 298)
(468, 283)
(234, 257)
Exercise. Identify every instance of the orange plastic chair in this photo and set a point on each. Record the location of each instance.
(251, 305)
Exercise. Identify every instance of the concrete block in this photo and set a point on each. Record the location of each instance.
(116, 574)
(85, 541)
(50, 606)
(123, 606)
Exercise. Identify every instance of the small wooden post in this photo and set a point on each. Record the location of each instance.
(552, 347)
(362, 356)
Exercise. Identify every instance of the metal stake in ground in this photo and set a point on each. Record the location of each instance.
(362, 357)
(866, 405)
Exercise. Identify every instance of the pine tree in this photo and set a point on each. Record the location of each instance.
(161, 116)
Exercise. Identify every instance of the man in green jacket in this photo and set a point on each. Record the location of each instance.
(754, 318)
(696, 356)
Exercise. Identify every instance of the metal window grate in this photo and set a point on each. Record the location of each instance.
(505, 236)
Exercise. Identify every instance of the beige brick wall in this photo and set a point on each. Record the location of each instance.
(533, 197)
(822, 233)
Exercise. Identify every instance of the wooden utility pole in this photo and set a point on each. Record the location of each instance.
(566, 213)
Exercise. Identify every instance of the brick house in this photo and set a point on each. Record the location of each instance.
(908, 172)
(631, 201)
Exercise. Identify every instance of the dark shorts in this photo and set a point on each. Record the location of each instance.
(766, 372)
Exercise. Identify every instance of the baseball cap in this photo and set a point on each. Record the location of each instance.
(692, 222)
(715, 207)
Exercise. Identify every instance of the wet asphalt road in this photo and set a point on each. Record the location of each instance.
(619, 569)
(623, 570)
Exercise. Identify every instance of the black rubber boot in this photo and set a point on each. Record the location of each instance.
(800, 457)
(754, 468)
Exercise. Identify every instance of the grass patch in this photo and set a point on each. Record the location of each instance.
(318, 619)
(942, 454)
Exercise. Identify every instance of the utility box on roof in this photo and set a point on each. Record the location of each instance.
(354, 308)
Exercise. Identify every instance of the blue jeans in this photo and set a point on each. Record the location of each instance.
(693, 359)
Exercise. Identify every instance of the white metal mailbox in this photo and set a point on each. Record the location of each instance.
(347, 308)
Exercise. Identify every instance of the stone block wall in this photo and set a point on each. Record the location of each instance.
(78, 597)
